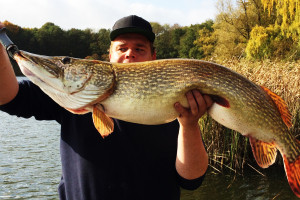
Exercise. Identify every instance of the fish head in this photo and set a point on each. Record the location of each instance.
(40, 69)
(73, 83)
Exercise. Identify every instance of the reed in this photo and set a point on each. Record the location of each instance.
(228, 149)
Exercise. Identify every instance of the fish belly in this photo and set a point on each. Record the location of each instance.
(242, 122)
(149, 111)
(231, 119)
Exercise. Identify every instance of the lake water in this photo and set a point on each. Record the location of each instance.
(30, 168)
(30, 163)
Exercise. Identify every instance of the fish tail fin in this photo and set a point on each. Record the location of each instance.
(292, 170)
(264, 153)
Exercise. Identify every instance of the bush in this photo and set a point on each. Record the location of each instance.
(270, 42)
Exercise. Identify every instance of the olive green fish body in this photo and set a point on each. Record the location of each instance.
(146, 92)
(144, 88)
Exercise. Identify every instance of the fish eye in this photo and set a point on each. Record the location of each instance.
(66, 60)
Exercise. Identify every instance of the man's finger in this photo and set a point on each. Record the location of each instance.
(179, 108)
(194, 105)
(208, 101)
(201, 101)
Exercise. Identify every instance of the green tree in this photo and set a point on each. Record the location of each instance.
(103, 44)
(234, 24)
(12, 30)
(281, 38)
(51, 40)
(176, 34)
(288, 15)
(260, 46)
(187, 46)
(268, 43)
(78, 43)
(288, 19)
(207, 40)
(167, 40)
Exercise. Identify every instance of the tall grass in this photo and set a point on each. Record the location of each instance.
(228, 149)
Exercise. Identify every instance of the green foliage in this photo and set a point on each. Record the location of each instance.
(257, 29)
(167, 40)
(288, 15)
(261, 43)
(78, 43)
(206, 42)
(188, 49)
(99, 45)
(229, 42)
(234, 24)
(179, 42)
(51, 39)
(269, 42)
(288, 21)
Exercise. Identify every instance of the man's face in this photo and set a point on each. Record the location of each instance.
(131, 47)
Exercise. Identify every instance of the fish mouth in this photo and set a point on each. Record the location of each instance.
(28, 66)
(31, 76)
(43, 63)
(19, 57)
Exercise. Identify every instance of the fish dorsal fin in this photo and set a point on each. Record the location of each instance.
(264, 153)
(103, 123)
(281, 106)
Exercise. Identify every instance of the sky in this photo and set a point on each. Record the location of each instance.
(97, 14)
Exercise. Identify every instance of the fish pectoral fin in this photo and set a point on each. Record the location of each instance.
(78, 111)
(292, 170)
(281, 106)
(103, 123)
(264, 153)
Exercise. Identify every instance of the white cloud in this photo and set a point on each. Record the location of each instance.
(97, 14)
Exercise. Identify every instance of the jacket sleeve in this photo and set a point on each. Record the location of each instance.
(31, 101)
(190, 184)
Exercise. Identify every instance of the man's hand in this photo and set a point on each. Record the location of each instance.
(189, 117)
(8, 82)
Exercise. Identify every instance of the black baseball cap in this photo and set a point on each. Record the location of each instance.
(132, 24)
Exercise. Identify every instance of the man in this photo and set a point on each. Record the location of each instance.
(135, 161)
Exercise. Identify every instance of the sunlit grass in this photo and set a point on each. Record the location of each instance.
(230, 150)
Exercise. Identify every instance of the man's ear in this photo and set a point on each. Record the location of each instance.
(109, 50)
(154, 56)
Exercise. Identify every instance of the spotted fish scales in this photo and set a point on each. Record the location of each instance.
(146, 92)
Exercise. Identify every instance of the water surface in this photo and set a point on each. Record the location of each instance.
(30, 162)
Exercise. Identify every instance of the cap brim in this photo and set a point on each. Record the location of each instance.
(117, 32)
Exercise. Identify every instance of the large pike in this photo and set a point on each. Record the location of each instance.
(145, 93)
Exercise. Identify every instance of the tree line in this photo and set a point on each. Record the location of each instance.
(253, 29)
